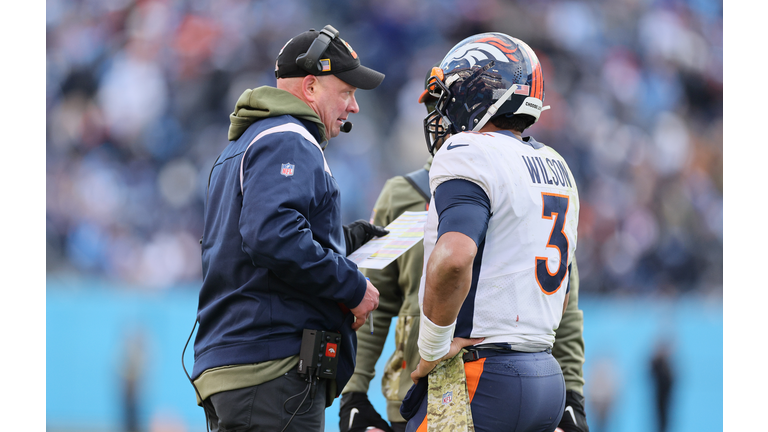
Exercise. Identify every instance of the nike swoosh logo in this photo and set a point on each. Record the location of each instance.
(568, 409)
(453, 146)
(352, 416)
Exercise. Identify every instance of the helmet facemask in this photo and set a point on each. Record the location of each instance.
(436, 124)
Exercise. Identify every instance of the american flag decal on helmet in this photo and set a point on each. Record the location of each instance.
(287, 169)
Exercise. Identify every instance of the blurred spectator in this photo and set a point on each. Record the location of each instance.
(602, 388)
(139, 93)
(663, 378)
(132, 373)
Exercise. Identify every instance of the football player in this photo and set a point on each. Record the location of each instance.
(498, 247)
(399, 286)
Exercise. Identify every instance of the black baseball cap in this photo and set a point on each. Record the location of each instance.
(338, 59)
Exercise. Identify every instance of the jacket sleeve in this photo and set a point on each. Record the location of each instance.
(274, 221)
(569, 338)
(370, 346)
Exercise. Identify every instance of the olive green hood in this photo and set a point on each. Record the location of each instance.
(265, 101)
(428, 165)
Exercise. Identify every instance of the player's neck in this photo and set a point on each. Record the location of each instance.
(490, 127)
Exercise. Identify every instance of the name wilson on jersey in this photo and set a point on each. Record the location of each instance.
(556, 175)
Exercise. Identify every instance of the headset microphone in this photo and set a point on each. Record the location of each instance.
(346, 127)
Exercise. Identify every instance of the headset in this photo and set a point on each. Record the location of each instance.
(310, 60)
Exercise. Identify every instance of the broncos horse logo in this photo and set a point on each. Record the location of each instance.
(483, 49)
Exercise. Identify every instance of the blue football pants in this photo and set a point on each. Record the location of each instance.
(510, 391)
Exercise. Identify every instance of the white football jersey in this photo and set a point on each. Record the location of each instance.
(521, 272)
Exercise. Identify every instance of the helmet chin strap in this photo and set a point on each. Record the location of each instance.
(495, 107)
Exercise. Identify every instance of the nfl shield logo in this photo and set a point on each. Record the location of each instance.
(287, 169)
(448, 398)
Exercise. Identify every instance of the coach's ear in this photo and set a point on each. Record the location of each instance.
(309, 87)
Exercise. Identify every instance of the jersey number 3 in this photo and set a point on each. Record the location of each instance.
(555, 206)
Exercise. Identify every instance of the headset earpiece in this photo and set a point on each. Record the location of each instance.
(310, 60)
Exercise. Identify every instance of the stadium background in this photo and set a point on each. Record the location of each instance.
(138, 95)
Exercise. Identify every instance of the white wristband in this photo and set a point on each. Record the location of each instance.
(434, 340)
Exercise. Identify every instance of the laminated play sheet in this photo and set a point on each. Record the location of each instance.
(404, 233)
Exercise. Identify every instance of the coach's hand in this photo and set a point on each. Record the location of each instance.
(363, 310)
(359, 233)
(574, 419)
(356, 414)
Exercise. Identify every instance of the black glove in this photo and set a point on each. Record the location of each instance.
(359, 232)
(574, 419)
(364, 415)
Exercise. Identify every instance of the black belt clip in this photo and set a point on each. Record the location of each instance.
(470, 356)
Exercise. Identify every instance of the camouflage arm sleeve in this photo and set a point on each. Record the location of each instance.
(569, 340)
(369, 346)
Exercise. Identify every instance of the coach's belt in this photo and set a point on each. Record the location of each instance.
(492, 350)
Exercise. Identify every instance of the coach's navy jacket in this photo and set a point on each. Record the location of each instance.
(273, 256)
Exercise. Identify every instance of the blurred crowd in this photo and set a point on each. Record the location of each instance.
(139, 94)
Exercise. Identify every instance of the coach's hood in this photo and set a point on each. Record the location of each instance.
(265, 101)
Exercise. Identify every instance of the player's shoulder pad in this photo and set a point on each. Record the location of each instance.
(462, 156)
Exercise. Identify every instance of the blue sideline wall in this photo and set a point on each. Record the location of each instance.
(88, 324)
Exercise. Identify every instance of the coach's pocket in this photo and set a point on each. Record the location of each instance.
(234, 408)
